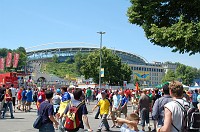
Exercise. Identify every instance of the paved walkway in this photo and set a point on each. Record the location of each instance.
(24, 120)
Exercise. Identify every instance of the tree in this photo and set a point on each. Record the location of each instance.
(78, 58)
(22, 59)
(169, 23)
(115, 71)
(55, 58)
(186, 74)
(169, 76)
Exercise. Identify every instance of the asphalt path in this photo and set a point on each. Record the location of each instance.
(23, 121)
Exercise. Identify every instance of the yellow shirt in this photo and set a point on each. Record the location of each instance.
(104, 106)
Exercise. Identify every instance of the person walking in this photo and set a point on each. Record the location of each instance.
(14, 93)
(24, 98)
(82, 110)
(8, 103)
(104, 105)
(88, 95)
(158, 107)
(29, 99)
(2, 94)
(116, 108)
(144, 104)
(98, 97)
(124, 102)
(46, 111)
(19, 98)
(194, 98)
(173, 112)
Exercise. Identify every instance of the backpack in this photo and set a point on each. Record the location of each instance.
(72, 121)
(190, 120)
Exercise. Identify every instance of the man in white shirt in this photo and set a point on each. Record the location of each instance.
(116, 109)
(98, 97)
(173, 110)
(14, 92)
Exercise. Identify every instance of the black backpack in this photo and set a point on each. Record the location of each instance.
(190, 120)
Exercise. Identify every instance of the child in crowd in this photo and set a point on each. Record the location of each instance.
(129, 124)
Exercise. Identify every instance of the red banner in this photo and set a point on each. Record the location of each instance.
(16, 60)
(2, 63)
(9, 59)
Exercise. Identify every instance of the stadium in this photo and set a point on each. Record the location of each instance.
(148, 73)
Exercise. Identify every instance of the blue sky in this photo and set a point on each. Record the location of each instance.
(29, 23)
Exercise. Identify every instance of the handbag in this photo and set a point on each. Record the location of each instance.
(38, 122)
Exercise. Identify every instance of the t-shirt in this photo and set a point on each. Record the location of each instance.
(123, 100)
(124, 128)
(45, 110)
(88, 93)
(104, 106)
(66, 96)
(13, 91)
(177, 113)
(81, 111)
(116, 100)
(144, 102)
(56, 100)
(29, 96)
(43, 95)
(19, 95)
(72, 96)
(24, 95)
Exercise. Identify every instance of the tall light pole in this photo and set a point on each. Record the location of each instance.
(101, 33)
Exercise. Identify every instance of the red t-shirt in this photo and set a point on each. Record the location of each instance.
(43, 95)
(19, 95)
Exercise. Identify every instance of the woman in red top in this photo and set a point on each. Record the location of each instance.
(8, 103)
(19, 98)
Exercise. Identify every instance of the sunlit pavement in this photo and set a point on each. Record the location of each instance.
(24, 120)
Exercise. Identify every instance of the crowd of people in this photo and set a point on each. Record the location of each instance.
(166, 107)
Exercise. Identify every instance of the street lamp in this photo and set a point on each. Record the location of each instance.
(101, 33)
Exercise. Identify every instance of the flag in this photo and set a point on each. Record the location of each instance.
(137, 86)
(8, 59)
(102, 72)
(16, 60)
(125, 83)
(2, 63)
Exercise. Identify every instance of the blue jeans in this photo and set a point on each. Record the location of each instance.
(6, 105)
(47, 128)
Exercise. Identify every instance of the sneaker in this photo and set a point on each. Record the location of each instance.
(12, 117)
(107, 130)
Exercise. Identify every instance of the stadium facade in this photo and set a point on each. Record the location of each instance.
(149, 74)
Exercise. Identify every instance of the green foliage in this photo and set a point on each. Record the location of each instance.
(79, 62)
(186, 74)
(169, 76)
(59, 69)
(55, 58)
(114, 71)
(170, 23)
(183, 73)
(22, 59)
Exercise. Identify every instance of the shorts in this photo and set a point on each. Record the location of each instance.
(23, 102)
(19, 102)
(124, 110)
(115, 112)
(28, 103)
(13, 100)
